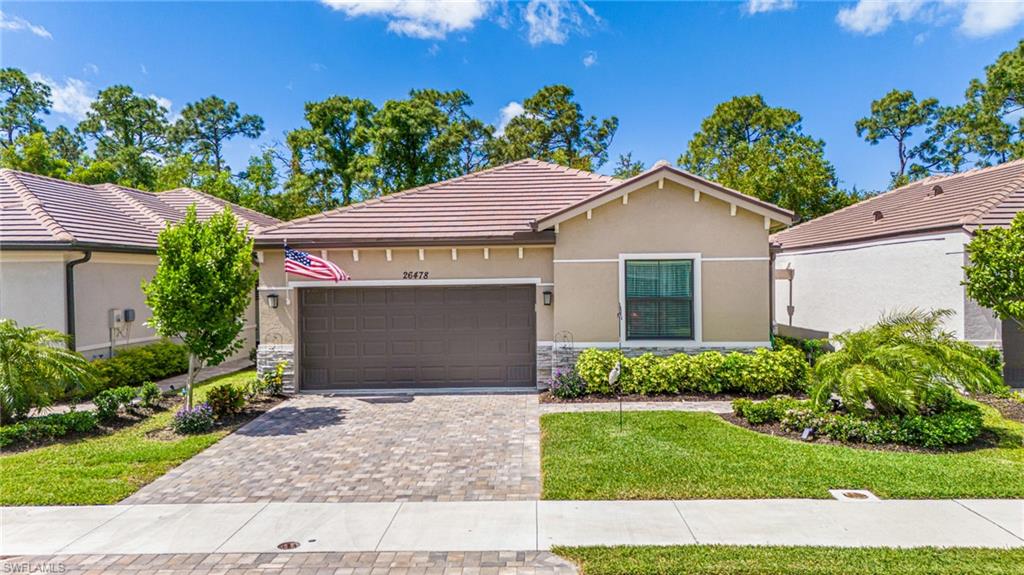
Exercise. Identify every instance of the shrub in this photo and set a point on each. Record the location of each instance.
(890, 367)
(812, 349)
(36, 368)
(568, 385)
(136, 365)
(198, 419)
(594, 365)
(109, 401)
(993, 357)
(225, 400)
(149, 393)
(764, 371)
(39, 429)
(768, 411)
(960, 424)
(274, 383)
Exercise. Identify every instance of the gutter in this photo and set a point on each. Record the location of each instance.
(69, 294)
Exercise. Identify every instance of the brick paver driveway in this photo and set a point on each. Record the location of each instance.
(389, 448)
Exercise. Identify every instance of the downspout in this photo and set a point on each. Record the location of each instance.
(69, 295)
(772, 250)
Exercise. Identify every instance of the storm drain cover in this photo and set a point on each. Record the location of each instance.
(288, 545)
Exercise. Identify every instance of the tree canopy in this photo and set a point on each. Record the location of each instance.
(760, 150)
(205, 126)
(24, 101)
(995, 275)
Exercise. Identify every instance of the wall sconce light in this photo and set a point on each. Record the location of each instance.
(272, 301)
(547, 297)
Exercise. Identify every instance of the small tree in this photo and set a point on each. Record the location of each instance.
(202, 286)
(995, 276)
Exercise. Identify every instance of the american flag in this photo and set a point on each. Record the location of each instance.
(303, 264)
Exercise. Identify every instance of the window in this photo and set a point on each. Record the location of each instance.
(659, 299)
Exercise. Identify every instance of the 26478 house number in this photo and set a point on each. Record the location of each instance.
(415, 275)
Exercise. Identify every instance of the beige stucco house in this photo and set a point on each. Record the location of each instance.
(497, 278)
(73, 257)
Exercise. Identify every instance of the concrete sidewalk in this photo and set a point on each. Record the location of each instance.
(505, 525)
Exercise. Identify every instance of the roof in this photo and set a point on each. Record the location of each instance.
(41, 212)
(985, 197)
(494, 205)
(512, 203)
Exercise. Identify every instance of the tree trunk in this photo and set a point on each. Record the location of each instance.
(191, 379)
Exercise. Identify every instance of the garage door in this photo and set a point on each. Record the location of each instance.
(417, 337)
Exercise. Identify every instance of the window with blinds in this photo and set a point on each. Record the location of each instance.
(659, 299)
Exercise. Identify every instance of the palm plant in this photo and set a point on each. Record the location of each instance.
(36, 367)
(893, 366)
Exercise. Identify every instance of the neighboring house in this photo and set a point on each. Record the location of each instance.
(73, 257)
(899, 250)
(496, 278)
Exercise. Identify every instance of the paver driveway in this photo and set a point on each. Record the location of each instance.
(314, 448)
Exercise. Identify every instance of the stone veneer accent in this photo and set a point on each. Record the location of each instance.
(267, 357)
(545, 363)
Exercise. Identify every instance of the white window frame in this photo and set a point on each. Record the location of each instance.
(698, 338)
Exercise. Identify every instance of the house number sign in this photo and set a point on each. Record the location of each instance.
(415, 275)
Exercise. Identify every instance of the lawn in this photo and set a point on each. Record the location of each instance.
(105, 469)
(673, 455)
(734, 560)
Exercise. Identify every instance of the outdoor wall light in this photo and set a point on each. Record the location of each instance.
(547, 297)
(272, 301)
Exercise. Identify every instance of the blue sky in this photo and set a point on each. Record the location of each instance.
(660, 67)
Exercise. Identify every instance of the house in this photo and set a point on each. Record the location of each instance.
(497, 278)
(73, 257)
(900, 250)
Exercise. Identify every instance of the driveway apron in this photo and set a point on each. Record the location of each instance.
(313, 448)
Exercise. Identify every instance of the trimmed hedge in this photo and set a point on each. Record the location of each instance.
(134, 366)
(39, 429)
(959, 425)
(762, 372)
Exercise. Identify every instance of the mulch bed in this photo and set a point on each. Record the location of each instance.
(1009, 408)
(985, 441)
(251, 411)
(138, 414)
(546, 397)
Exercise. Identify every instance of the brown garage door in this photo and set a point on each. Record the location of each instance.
(417, 337)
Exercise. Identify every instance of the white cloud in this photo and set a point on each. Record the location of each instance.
(318, 67)
(418, 18)
(508, 111)
(551, 21)
(17, 23)
(762, 6)
(978, 18)
(144, 69)
(91, 68)
(987, 18)
(874, 16)
(589, 59)
(165, 102)
(72, 98)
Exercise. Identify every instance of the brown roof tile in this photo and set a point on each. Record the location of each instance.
(40, 211)
(983, 197)
(493, 205)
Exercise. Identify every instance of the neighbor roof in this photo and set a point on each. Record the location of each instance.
(985, 197)
(40, 212)
(512, 203)
(494, 205)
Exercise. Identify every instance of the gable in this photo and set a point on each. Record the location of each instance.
(662, 217)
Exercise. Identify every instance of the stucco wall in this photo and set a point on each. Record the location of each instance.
(733, 250)
(849, 287)
(32, 288)
(278, 326)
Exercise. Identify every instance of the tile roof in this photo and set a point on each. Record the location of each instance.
(983, 197)
(40, 211)
(494, 205)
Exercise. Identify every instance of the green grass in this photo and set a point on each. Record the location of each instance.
(734, 560)
(103, 469)
(673, 455)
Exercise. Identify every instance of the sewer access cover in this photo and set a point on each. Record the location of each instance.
(288, 545)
